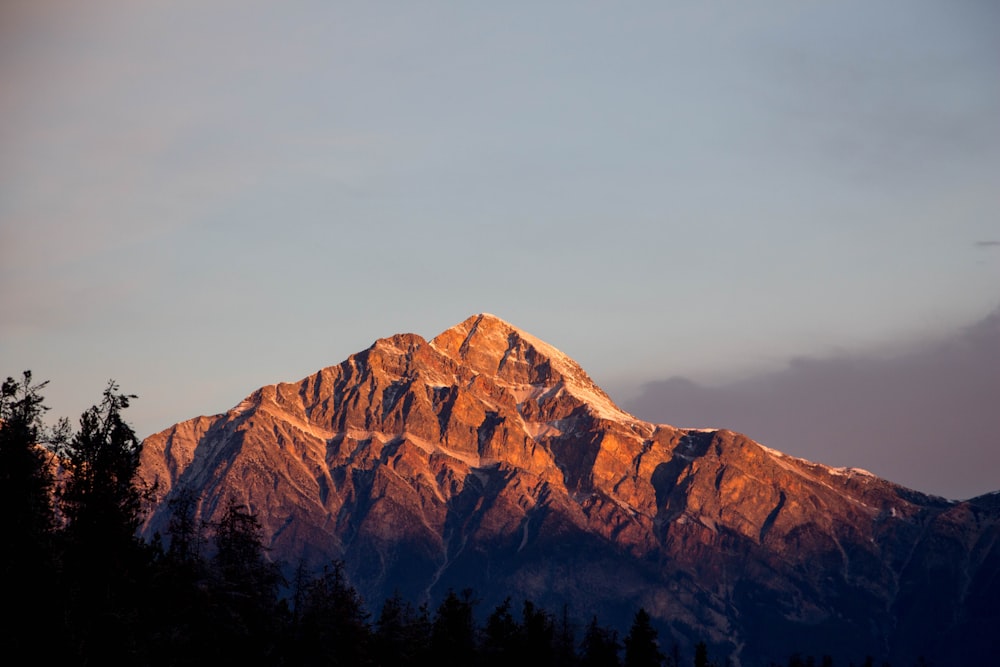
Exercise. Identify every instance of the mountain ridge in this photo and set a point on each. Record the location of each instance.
(487, 457)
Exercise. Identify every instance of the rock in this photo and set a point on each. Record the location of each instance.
(487, 458)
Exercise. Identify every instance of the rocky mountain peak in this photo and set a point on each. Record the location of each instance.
(490, 346)
(488, 458)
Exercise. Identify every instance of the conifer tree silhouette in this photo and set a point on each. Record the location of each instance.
(453, 634)
(26, 514)
(402, 633)
(333, 623)
(600, 646)
(641, 646)
(244, 588)
(105, 564)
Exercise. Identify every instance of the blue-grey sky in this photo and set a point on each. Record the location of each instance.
(199, 198)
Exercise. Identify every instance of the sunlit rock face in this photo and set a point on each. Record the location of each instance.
(486, 458)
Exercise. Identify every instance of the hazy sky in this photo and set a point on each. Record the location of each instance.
(199, 198)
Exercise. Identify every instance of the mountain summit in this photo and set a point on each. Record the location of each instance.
(487, 458)
(492, 347)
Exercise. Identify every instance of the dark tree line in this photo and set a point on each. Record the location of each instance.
(82, 588)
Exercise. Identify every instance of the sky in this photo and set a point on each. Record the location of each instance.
(201, 198)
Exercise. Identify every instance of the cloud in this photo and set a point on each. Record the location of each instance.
(987, 244)
(926, 418)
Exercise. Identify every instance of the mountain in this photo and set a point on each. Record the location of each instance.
(488, 459)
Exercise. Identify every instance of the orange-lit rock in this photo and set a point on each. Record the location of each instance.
(487, 458)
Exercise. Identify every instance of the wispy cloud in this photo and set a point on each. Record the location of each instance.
(925, 418)
(987, 244)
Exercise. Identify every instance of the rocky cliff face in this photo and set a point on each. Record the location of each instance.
(486, 458)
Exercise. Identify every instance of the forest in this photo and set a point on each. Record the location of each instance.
(81, 588)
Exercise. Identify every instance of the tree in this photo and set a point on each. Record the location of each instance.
(500, 636)
(240, 560)
(183, 530)
(453, 634)
(181, 622)
(599, 647)
(333, 624)
(101, 500)
(701, 655)
(537, 633)
(641, 647)
(244, 589)
(26, 513)
(25, 472)
(402, 633)
(105, 562)
(564, 644)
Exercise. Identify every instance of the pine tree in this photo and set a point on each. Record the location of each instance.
(599, 647)
(26, 514)
(105, 562)
(537, 633)
(500, 636)
(641, 648)
(186, 538)
(25, 473)
(102, 500)
(181, 621)
(244, 589)
(453, 634)
(565, 641)
(240, 559)
(701, 655)
(333, 624)
(401, 633)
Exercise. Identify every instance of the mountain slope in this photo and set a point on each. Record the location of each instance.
(487, 458)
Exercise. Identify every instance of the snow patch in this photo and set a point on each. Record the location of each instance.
(543, 429)
(773, 452)
(243, 406)
(849, 472)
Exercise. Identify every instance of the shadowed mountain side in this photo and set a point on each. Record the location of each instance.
(926, 418)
